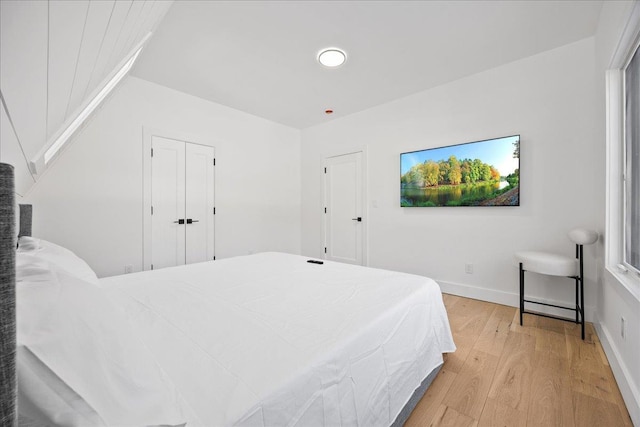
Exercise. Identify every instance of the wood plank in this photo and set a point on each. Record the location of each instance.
(590, 411)
(584, 358)
(455, 361)
(469, 313)
(528, 324)
(551, 325)
(468, 393)
(504, 312)
(513, 377)
(426, 409)
(596, 385)
(551, 342)
(603, 357)
(575, 330)
(494, 334)
(470, 319)
(450, 300)
(449, 417)
(496, 414)
(551, 399)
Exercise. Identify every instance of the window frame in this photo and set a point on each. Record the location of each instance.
(625, 150)
(615, 221)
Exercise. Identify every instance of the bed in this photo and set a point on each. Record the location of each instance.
(260, 340)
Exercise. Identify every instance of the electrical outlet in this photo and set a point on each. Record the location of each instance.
(128, 269)
(622, 326)
(468, 268)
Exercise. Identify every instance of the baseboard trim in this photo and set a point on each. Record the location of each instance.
(511, 299)
(628, 389)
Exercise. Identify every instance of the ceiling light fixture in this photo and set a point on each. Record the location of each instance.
(332, 57)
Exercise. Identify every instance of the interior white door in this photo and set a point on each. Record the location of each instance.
(199, 195)
(344, 234)
(182, 202)
(168, 202)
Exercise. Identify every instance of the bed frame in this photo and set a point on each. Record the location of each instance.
(7, 297)
(408, 408)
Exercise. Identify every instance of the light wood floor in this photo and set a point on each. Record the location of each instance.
(504, 374)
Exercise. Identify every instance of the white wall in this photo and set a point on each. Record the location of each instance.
(90, 200)
(549, 99)
(614, 299)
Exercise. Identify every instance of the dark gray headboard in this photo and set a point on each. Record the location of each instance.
(7, 297)
(26, 213)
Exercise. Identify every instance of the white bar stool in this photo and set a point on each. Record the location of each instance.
(558, 265)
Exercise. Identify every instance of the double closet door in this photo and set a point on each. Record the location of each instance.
(182, 202)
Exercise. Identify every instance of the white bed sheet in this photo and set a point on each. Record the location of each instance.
(271, 340)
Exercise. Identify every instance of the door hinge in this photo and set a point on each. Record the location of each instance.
(325, 249)
(214, 161)
(325, 210)
(325, 170)
(214, 210)
(151, 210)
(152, 152)
(152, 266)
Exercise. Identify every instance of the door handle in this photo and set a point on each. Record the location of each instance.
(180, 221)
(359, 219)
(191, 221)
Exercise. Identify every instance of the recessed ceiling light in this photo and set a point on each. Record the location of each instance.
(332, 57)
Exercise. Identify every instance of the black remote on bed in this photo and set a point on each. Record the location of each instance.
(313, 261)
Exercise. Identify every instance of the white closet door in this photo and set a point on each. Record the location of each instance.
(199, 203)
(168, 202)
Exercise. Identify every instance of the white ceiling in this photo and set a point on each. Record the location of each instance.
(260, 57)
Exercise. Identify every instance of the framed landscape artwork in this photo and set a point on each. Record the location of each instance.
(481, 173)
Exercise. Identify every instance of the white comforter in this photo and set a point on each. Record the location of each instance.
(271, 340)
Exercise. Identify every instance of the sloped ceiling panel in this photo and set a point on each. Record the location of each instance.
(66, 22)
(55, 54)
(116, 21)
(23, 69)
(95, 27)
(11, 153)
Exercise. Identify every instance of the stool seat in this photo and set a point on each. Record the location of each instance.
(548, 263)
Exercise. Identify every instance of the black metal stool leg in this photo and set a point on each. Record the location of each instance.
(577, 301)
(582, 306)
(581, 292)
(521, 293)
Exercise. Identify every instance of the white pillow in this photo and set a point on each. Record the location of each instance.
(84, 339)
(59, 256)
(28, 244)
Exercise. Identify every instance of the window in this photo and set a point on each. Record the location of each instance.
(622, 225)
(631, 257)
